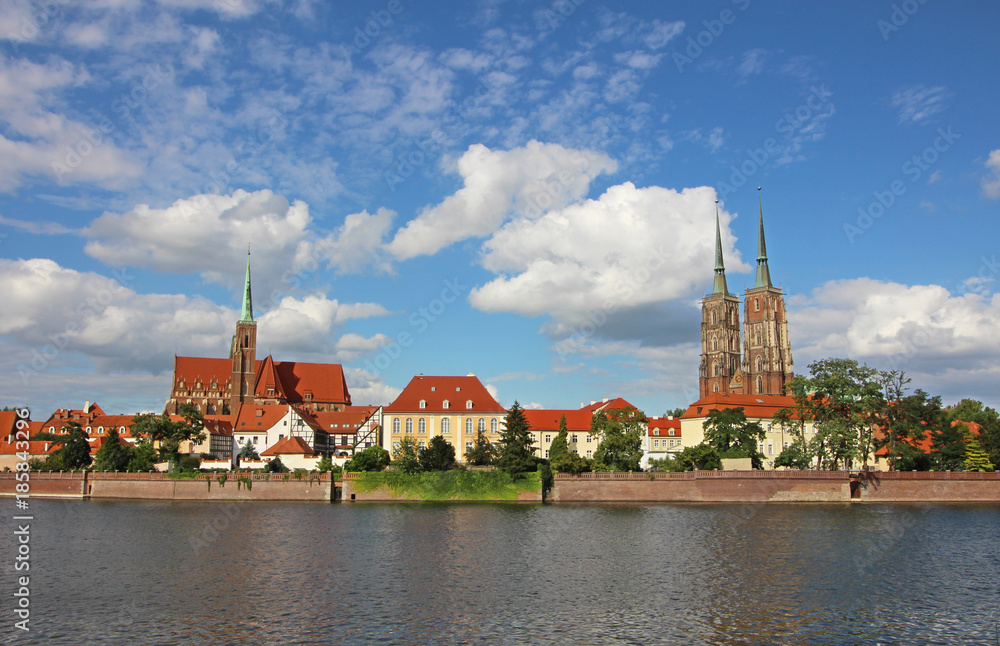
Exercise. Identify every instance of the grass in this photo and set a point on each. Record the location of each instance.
(450, 485)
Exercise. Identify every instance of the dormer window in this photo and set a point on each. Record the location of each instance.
(308, 396)
(671, 431)
(656, 431)
(423, 403)
(270, 392)
(445, 404)
(468, 403)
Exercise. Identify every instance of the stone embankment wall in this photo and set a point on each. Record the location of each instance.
(159, 486)
(929, 486)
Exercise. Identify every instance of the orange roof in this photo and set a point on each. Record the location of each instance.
(608, 404)
(34, 447)
(7, 420)
(664, 425)
(290, 445)
(434, 391)
(543, 419)
(924, 442)
(259, 418)
(755, 406)
(267, 380)
(324, 381)
(343, 422)
(216, 426)
(62, 416)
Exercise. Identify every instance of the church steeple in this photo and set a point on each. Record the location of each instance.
(720, 286)
(763, 273)
(247, 297)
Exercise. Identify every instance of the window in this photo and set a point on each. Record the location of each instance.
(572, 438)
(756, 304)
(548, 438)
(241, 439)
(494, 426)
(421, 444)
(270, 392)
(656, 444)
(670, 432)
(433, 388)
(100, 430)
(468, 404)
(395, 425)
(409, 425)
(254, 439)
(468, 447)
(395, 447)
(308, 396)
(546, 453)
(446, 404)
(715, 344)
(482, 425)
(445, 426)
(760, 365)
(715, 318)
(715, 388)
(468, 426)
(423, 403)
(770, 449)
(422, 426)
(760, 384)
(588, 454)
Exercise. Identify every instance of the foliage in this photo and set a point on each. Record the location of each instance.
(113, 455)
(560, 445)
(668, 463)
(906, 457)
(728, 429)
(374, 458)
(517, 453)
(249, 451)
(545, 474)
(793, 457)
(74, 452)
(571, 462)
(450, 485)
(703, 457)
(620, 431)
(975, 457)
(948, 446)
(324, 464)
(144, 457)
(677, 412)
(275, 466)
(170, 434)
(189, 463)
(970, 410)
(406, 458)
(438, 455)
(482, 452)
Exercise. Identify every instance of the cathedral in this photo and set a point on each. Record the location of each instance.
(763, 365)
(221, 387)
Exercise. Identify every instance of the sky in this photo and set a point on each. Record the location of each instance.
(525, 191)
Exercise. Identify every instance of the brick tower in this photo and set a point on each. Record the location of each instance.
(243, 352)
(720, 332)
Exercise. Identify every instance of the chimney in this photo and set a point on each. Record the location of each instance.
(86, 406)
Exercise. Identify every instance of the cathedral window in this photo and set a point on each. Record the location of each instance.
(715, 344)
(760, 385)
(760, 365)
(494, 426)
(715, 370)
(715, 318)
(756, 304)
(715, 388)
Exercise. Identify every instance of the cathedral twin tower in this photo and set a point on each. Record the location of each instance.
(766, 363)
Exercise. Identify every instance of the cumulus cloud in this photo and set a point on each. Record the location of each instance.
(991, 182)
(628, 248)
(752, 63)
(359, 242)
(525, 182)
(922, 329)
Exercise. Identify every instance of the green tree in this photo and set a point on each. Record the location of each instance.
(275, 465)
(481, 452)
(374, 458)
(729, 433)
(948, 443)
(620, 431)
(113, 455)
(703, 457)
(144, 458)
(75, 450)
(676, 412)
(793, 457)
(438, 455)
(970, 410)
(560, 445)
(975, 457)
(170, 434)
(406, 458)
(517, 453)
(570, 462)
(324, 465)
(249, 451)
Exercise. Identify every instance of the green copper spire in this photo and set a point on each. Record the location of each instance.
(247, 298)
(763, 273)
(720, 269)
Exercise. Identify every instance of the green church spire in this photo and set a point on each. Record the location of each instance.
(720, 269)
(763, 273)
(247, 298)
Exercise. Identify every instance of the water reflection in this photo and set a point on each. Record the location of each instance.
(512, 574)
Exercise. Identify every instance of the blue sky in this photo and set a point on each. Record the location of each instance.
(525, 191)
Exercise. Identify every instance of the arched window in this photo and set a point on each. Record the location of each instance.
(423, 403)
(756, 304)
(468, 426)
(715, 388)
(760, 365)
(715, 370)
(395, 425)
(422, 426)
(445, 426)
(211, 409)
(409, 424)
(760, 385)
(715, 318)
(246, 340)
(482, 425)
(715, 344)
(446, 404)
(494, 426)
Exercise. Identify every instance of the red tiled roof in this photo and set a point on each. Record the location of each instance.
(435, 390)
(111, 421)
(7, 420)
(217, 426)
(267, 380)
(290, 445)
(324, 381)
(63, 416)
(608, 404)
(924, 442)
(345, 421)
(249, 420)
(664, 426)
(548, 419)
(755, 406)
(34, 447)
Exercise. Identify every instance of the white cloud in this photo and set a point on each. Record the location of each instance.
(752, 63)
(919, 103)
(933, 335)
(629, 247)
(525, 181)
(368, 389)
(991, 182)
(351, 347)
(358, 243)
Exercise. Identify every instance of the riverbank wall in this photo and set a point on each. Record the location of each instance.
(160, 486)
(353, 493)
(777, 486)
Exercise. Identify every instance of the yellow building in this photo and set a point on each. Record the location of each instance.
(456, 408)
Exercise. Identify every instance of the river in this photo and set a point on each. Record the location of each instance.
(281, 573)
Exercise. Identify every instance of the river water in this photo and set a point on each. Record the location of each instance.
(263, 573)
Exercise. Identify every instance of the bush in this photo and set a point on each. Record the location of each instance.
(189, 463)
(275, 466)
(374, 458)
(571, 463)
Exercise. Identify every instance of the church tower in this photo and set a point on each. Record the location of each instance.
(767, 359)
(244, 352)
(720, 331)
